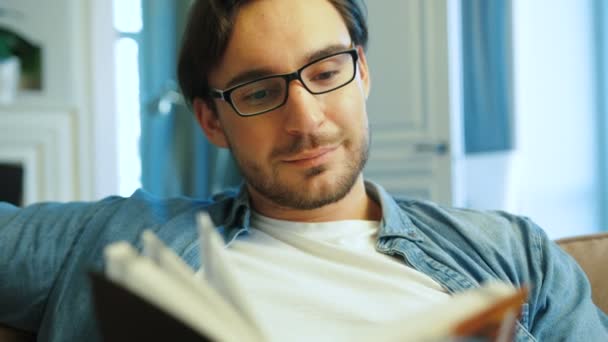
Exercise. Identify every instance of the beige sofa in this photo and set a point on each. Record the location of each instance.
(590, 251)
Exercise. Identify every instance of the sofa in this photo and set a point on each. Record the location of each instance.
(590, 251)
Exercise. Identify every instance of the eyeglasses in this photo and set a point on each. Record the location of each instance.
(268, 93)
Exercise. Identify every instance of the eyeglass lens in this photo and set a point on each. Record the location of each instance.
(269, 93)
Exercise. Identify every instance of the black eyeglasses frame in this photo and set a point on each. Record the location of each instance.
(225, 95)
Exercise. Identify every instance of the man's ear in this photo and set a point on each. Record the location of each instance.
(209, 122)
(364, 71)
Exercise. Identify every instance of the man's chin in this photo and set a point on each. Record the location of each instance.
(316, 190)
(316, 172)
(305, 188)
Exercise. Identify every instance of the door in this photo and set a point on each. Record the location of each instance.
(409, 103)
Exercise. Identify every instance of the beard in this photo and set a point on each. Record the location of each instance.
(290, 192)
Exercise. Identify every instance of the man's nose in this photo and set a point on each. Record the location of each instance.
(304, 112)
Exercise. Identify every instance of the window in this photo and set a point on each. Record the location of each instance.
(128, 23)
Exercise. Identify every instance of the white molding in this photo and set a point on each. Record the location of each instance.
(42, 140)
(437, 93)
(459, 180)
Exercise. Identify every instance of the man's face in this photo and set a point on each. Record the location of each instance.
(309, 152)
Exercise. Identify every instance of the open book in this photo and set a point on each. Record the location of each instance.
(157, 296)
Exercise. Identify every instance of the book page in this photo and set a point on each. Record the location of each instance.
(216, 307)
(489, 313)
(165, 258)
(143, 277)
(218, 272)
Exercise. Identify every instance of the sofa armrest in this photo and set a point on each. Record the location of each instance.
(591, 253)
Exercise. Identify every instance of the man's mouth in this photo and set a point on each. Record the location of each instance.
(310, 158)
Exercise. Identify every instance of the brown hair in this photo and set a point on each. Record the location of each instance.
(208, 30)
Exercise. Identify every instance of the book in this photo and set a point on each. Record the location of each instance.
(155, 295)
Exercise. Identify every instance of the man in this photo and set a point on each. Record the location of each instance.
(319, 251)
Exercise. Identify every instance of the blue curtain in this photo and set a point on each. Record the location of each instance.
(176, 157)
(600, 10)
(487, 75)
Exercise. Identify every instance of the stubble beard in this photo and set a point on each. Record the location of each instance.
(269, 184)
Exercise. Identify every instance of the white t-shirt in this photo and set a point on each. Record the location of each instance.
(325, 281)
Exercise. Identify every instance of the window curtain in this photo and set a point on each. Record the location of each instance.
(487, 75)
(176, 157)
(600, 10)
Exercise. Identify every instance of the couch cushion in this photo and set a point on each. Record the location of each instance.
(591, 252)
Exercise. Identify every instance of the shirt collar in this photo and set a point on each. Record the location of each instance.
(395, 221)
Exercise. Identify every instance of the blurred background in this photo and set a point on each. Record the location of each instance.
(497, 105)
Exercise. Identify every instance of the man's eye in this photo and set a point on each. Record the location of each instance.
(261, 95)
(258, 95)
(327, 75)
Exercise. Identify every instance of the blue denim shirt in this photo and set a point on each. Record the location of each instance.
(46, 249)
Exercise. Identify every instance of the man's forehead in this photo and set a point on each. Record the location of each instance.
(279, 36)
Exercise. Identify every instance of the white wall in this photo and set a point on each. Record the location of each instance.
(556, 117)
(551, 176)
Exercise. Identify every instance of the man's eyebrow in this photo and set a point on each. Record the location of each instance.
(249, 75)
(326, 52)
(253, 74)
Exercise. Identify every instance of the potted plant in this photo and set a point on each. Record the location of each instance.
(10, 67)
